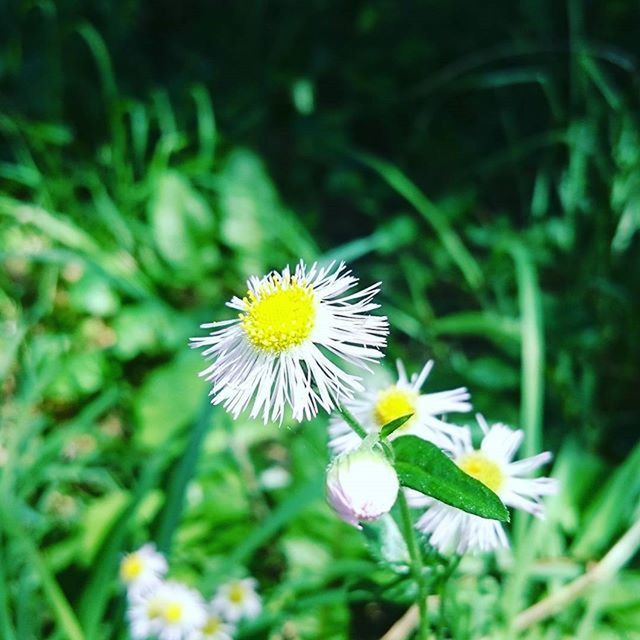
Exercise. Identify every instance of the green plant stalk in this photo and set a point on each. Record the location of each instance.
(416, 565)
(409, 537)
(352, 422)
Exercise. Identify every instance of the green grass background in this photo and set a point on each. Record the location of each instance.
(481, 159)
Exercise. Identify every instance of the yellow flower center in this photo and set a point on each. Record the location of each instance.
(131, 567)
(478, 466)
(394, 403)
(154, 608)
(212, 625)
(281, 315)
(172, 612)
(236, 593)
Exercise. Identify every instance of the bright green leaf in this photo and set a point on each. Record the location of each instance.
(425, 468)
(390, 427)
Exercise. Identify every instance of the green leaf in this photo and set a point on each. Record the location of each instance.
(390, 427)
(425, 468)
(168, 400)
(386, 543)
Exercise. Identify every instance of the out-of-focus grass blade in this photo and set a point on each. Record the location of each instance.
(449, 238)
(298, 500)
(532, 395)
(96, 595)
(6, 628)
(610, 509)
(54, 226)
(100, 54)
(60, 607)
(180, 476)
(207, 130)
(478, 323)
(532, 347)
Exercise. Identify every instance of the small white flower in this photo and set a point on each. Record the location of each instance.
(143, 568)
(380, 406)
(168, 611)
(275, 352)
(362, 485)
(275, 478)
(237, 599)
(214, 628)
(450, 529)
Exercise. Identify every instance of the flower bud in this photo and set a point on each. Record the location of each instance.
(361, 485)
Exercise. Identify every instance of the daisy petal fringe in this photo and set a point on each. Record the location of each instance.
(379, 406)
(275, 354)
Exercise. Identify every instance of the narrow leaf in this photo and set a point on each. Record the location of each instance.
(390, 427)
(424, 467)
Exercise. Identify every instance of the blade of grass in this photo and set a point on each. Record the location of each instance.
(60, 608)
(430, 212)
(207, 130)
(180, 476)
(98, 591)
(532, 395)
(298, 500)
(6, 627)
(532, 347)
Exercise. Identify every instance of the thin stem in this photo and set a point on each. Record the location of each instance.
(352, 422)
(416, 564)
(442, 592)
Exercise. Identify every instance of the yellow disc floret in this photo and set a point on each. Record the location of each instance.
(237, 593)
(131, 567)
(212, 625)
(172, 612)
(394, 403)
(478, 466)
(280, 315)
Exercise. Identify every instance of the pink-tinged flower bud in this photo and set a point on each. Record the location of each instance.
(361, 486)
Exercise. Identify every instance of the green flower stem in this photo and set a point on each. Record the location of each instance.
(416, 564)
(352, 422)
(409, 536)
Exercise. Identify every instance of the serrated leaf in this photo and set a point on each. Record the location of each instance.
(390, 427)
(424, 467)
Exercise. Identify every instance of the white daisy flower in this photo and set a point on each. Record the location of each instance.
(143, 568)
(362, 485)
(275, 353)
(214, 628)
(378, 407)
(450, 529)
(168, 611)
(237, 599)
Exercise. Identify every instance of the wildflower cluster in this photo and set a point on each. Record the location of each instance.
(284, 349)
(169, 610)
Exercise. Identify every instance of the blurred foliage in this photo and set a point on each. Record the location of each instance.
(483, 161)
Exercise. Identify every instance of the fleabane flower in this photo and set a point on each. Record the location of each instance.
(450, 529)
(237, 600)
(143, 568)
(361, 485)
(380, 406)
(168, 611)
(214, 628)
(276, 351)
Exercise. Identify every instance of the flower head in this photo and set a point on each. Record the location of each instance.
(380, 406)
(275, 353)
(362, 485)
(168, 611)
(237, 599)
(450, 529)
(143, 568)
(214, 628)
